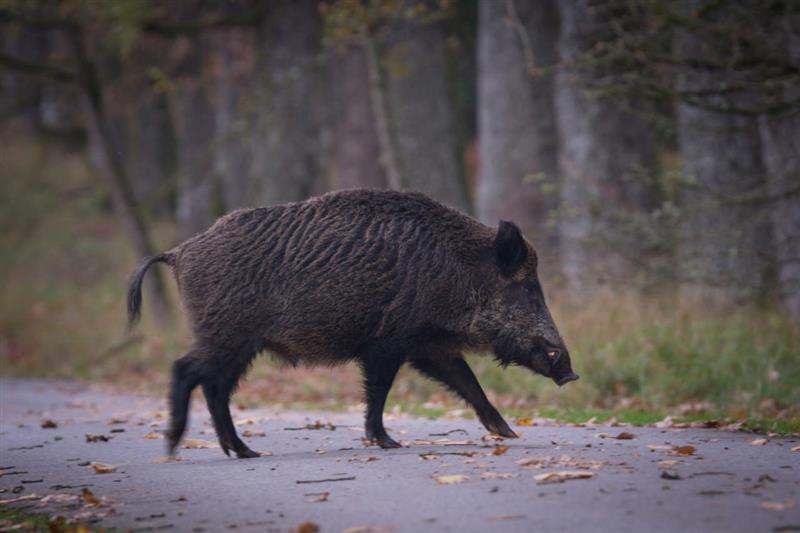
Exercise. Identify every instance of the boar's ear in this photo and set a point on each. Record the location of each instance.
(510, 249)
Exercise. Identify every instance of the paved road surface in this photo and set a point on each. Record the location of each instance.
(728, 484)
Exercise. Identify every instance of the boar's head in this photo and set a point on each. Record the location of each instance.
(513, 318)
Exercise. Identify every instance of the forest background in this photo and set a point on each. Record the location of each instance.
(649, 150)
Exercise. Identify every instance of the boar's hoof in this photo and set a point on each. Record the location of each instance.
(247, 453)
(502, 430)
(385, 442)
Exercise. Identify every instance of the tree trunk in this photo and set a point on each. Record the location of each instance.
(422, 113)
(111, 167)
(606, 161)
(725, 248)
(287, 161)
(235, 108)
(193, 114)
(354, 147)
(518, 158)
(780, 141)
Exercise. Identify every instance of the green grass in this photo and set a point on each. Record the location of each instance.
(21, 520)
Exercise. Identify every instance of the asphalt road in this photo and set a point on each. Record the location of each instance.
(662, 479)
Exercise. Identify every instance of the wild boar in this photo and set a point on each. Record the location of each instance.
(375, 276)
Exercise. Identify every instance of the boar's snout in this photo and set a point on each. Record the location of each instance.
(562, 368)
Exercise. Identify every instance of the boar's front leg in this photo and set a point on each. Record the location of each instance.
(456, 374)
(379, 372)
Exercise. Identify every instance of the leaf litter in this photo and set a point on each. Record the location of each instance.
(452, 479)
(562, 476)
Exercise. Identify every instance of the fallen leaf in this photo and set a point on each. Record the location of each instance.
(245, 422)
(497, 475)
(253, 433)
(525, 422)
(33, 496)
(683, 450)
(758, 442)
(103, 468)
(777, 506)
(670, 474)
(795, 449)
(667, 462)
(506, 517)
(97, 438)
(307, 527)
(561, 476)
(166, 459)
(315, 497)
(533, 462)
(89, 497)
(56, 498)
(198, 444)
(625, 436)
(665, 423)
(451, 479)
(48, 424)
(154, 435)
(500, 450)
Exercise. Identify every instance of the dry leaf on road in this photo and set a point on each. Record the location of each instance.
(451, 479)
(683, 450)
(525, 422)
(497, 475)
(154, 435)
(563, 475)
(97, 438)
(103, 468)
(625, 436)
(777, 506)
(33, 496)
(759, 442)
(48, 424)
(89, 497)
(314, 497)
(253, 433)
(198, 444)
(795, 449)
(307, 527)
(500, 450)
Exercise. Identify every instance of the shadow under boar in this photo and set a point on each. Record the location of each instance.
(379, 277)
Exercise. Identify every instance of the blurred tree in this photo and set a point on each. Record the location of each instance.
(234, 76)
(287, 157)
(194, 113)
(354, 146)
(727, 239)
(518, 144)
(607, 157)
(421, 110)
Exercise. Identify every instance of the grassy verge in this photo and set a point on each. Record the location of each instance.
(18, 520)
(66, 263)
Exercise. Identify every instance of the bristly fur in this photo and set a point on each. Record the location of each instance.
(381, 277)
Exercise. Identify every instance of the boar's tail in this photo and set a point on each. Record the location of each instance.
(135, 287)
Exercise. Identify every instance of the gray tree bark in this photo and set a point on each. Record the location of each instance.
(518, 140)
(354, 159)
(194, 116)
(780, 140)
(726, 244)
(607, 155)
(287, 162)
(234, 66)
(422, 113)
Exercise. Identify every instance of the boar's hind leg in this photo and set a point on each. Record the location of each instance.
(186, 375)
(223, 372)
(456, 374)
(379, 372)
